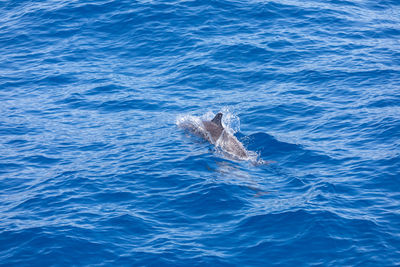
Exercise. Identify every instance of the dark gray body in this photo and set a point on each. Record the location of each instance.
(214, 132)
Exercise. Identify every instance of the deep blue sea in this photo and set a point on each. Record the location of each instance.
(95, 170)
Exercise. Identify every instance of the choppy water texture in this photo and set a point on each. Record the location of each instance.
(95, 171)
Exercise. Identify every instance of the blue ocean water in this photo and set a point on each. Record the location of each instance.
(95, 171)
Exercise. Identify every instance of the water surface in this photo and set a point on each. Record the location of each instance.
(95, 171)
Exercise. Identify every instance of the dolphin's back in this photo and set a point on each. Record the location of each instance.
(214, 132)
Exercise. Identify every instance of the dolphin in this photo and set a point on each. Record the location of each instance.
(214, 132)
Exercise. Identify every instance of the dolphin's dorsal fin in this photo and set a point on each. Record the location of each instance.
(217, 119)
